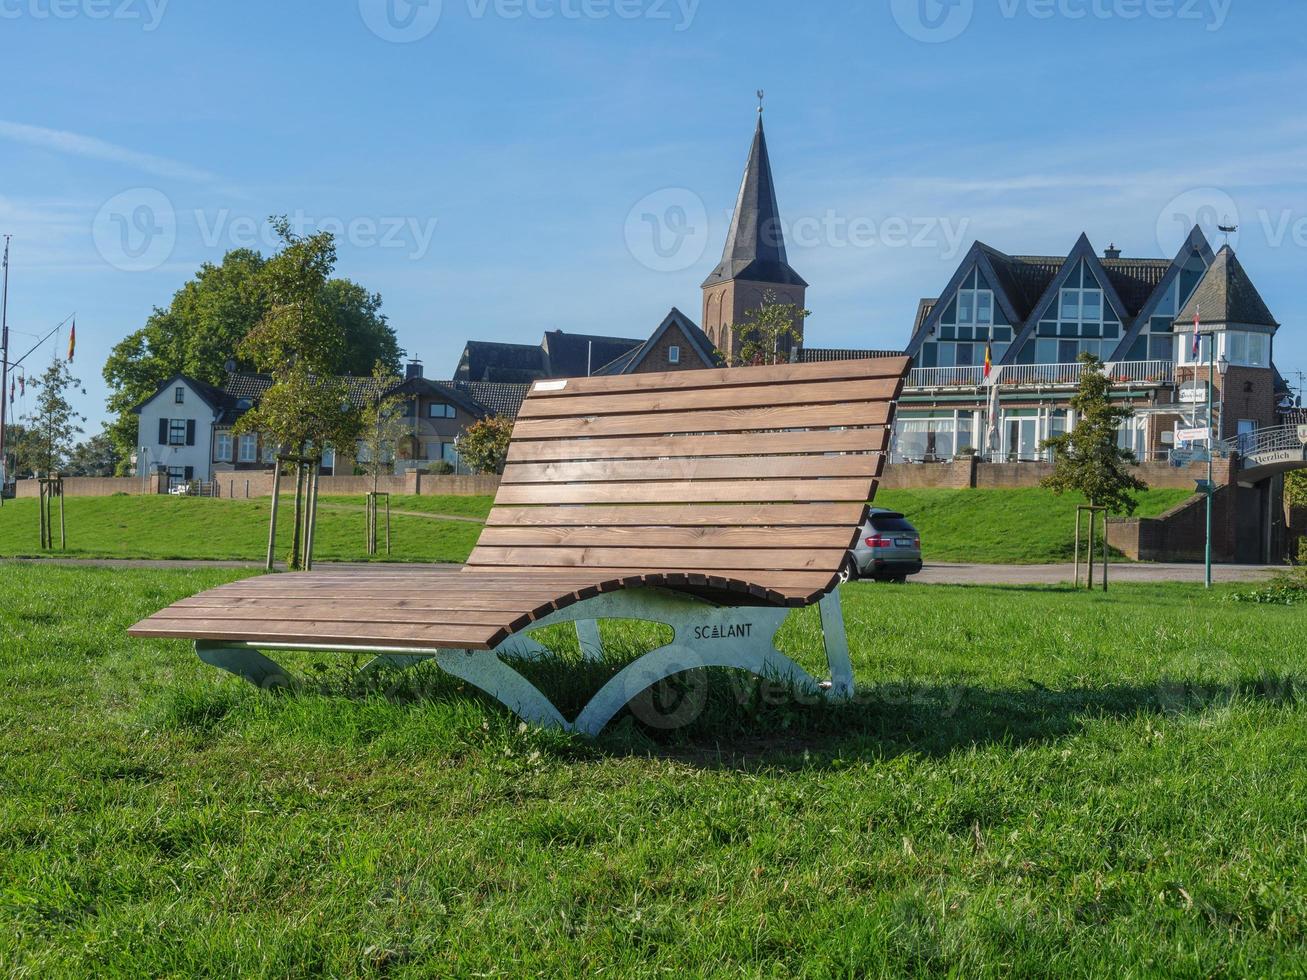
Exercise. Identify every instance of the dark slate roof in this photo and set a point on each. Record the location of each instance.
(694, 335)
(497, 399)
(485, 360)
(574, 355)
(213, 397)
(620, 365)
(1022, 277)
(1227, 296)
(1136, 280)
(479, 397)
(755, 245)
(811, 355)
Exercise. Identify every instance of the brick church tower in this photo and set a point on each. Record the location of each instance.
(754, 263)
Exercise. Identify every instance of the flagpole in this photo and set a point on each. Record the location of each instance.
(4, 373)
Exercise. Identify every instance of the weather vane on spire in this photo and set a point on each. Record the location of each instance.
(761, 94)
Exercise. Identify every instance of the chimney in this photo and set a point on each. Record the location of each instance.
(1112, 252)
(414, 370)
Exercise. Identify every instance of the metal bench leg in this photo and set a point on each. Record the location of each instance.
(483, 669)
(587, 634)
(245, 663)
(836, 639)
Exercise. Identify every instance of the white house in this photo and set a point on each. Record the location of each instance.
(175, 432)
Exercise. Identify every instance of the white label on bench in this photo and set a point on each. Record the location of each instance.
(551, 385)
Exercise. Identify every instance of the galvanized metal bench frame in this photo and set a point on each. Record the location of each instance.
(735, 637)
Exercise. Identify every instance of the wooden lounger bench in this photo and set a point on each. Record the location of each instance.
(710, 501)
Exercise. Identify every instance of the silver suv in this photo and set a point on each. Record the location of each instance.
(888, 548)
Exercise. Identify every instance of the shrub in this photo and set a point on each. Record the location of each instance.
(440, 468)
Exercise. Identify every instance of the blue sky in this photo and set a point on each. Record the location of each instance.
(502, 168)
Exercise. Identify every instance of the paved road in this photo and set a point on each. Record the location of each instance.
(942, 574)
(933, 574)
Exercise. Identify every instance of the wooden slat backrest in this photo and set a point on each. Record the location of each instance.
(751, 474)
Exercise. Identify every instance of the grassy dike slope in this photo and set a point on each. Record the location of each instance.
(1021, 526)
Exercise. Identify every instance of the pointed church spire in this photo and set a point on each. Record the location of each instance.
(755, 246)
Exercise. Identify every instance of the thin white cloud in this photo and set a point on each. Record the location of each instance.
(74, 144)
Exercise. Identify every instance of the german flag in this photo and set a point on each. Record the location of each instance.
(989, 361)
(72, 342)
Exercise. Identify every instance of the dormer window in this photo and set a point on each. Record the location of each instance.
(969, 323)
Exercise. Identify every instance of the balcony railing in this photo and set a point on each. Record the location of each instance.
(946, 377)
(1042, 375)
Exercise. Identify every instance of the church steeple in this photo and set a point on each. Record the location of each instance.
(755, 245)
(754, 262)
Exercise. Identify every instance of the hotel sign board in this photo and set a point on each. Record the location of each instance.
(1193, 435)
(1193, 393)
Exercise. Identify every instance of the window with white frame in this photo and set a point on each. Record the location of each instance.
(222, 447)
(1185, 344)
(934, 436)
(269, 451)
(673, 355)
(248, 447)
(1246, 349)
(970, 322)
(1080, 322)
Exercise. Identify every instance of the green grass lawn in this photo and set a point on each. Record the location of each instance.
(1032, 781)
(1021, 526)
(192, 527)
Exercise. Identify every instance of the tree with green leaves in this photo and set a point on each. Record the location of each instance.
(54, 424)
(298, 342)
(1088, 460)
(21, 448)
(769, 331)
(204, 324)
(484, 444)
(97, 456)
(382, 425)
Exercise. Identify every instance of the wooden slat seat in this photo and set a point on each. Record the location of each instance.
(742, 486)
